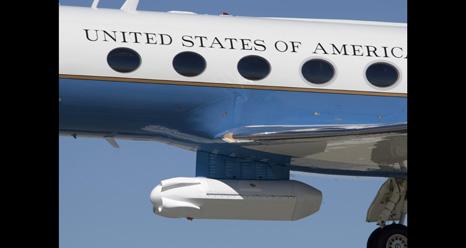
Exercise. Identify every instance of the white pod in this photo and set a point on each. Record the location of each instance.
(205, 198)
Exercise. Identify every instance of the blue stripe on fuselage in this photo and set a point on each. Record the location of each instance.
(190, 113)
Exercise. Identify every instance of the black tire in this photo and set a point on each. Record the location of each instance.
(372, 241)
(393, 236)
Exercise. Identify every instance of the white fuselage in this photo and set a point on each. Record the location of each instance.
(87, 35)
(153, 101)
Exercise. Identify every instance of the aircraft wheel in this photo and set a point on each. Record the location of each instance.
(372, 241)
(392, 236)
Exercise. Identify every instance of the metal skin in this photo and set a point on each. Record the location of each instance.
(205, 198)
(192, 117)
(351, 46)
(156, 103)
(248, 134)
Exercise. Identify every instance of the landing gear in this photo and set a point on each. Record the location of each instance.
(391, 236)
(390, 204)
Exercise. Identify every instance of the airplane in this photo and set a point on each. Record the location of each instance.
(254, 97)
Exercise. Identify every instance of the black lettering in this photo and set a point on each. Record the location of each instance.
(385, 52)
(294, 45)
(319, 47)
(393, 54)
(185, 39)
(259, 43)
(245, 45)
(162, 39)
(231, 42)
(151, 37)
(216, 42)
(135, 36)
(87, 35)
(108, 34)
(357, 50)
(335, 50)
(123, 35)
(371, 49)
(201, 39)
(284, 44)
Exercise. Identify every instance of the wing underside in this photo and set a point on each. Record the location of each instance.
(366, 150)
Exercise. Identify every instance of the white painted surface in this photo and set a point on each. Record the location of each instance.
(79, 56)
(205, 198)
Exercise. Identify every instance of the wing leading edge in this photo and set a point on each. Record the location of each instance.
(257, 134)
(359, 149)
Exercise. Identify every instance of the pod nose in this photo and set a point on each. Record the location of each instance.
(155, 197)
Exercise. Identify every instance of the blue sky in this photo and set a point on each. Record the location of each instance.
(104, 192)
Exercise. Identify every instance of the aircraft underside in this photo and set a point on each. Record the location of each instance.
(247, 142)
(304, 131)
(252, 104)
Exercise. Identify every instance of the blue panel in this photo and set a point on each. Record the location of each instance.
(196, 117)
(224, 167)
(204, 112)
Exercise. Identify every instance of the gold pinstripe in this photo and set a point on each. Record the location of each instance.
(224, 85)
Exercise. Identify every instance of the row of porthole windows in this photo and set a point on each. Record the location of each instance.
(252, 67)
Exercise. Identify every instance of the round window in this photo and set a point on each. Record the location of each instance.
(253, 67)
(123, 59)
(317, 71)
(189, 64)
(382, 74)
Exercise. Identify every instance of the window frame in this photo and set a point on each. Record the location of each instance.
(394, 84)
(189, 52)
(331, 80)
(126, 48)
(254, 55)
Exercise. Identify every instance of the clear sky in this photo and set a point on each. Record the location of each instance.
(104, 192)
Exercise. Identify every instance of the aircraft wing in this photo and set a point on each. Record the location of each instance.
(262, 134)
(362, 149)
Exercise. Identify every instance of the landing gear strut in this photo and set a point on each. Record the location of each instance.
(390, 204)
